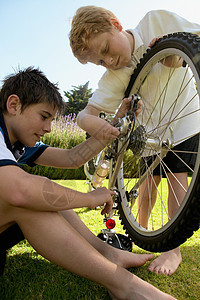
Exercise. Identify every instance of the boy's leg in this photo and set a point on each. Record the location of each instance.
(147, 199)
(176, 191)
(55, 239)
(168, 262)
(123, 258)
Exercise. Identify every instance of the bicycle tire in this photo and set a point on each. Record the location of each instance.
(178, 228)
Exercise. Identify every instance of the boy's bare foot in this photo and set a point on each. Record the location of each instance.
(167, 262)
(135, 260)
(127, 259)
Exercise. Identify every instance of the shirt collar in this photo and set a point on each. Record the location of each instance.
(5, 133)
(18, 148)
(137, 39)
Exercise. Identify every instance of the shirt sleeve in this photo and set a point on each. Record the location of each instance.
(111, 87)
(32, 153)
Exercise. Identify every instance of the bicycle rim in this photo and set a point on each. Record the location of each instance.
(167, 127)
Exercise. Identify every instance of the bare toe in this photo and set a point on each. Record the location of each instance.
(166, 263)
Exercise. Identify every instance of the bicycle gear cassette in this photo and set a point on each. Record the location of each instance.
(137, 140)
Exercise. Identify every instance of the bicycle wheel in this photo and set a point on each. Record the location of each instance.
(159, 180)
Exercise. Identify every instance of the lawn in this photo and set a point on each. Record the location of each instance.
(29, 276)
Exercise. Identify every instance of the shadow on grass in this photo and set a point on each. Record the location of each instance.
(28, 276)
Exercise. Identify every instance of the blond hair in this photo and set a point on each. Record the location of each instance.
(89, 21)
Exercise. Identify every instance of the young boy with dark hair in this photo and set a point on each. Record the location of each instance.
(97, 36)
(35, 208)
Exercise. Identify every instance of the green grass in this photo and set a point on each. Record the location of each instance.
(29, 276)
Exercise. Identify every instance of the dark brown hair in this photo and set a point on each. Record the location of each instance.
(32, 87)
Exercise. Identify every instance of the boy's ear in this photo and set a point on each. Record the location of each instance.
(13, 105)
(116, 24)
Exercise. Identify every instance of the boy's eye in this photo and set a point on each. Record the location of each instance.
(43, 117)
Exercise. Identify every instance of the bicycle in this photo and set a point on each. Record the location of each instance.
(145, 141)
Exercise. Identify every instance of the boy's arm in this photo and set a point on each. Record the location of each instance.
(89, 121)
(77, 156)
(22, 190)
(72, 158)
(101, 135)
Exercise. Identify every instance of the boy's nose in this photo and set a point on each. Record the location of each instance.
(47, 127)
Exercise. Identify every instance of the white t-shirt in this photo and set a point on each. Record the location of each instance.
(113, 83)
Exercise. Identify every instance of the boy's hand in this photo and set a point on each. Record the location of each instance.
(100, 197)
(154, 40)
(171, 61)
(125, 107)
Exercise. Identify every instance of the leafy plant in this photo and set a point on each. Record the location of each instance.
(77, 99)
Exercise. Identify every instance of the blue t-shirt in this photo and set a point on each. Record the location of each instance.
(18, 153)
